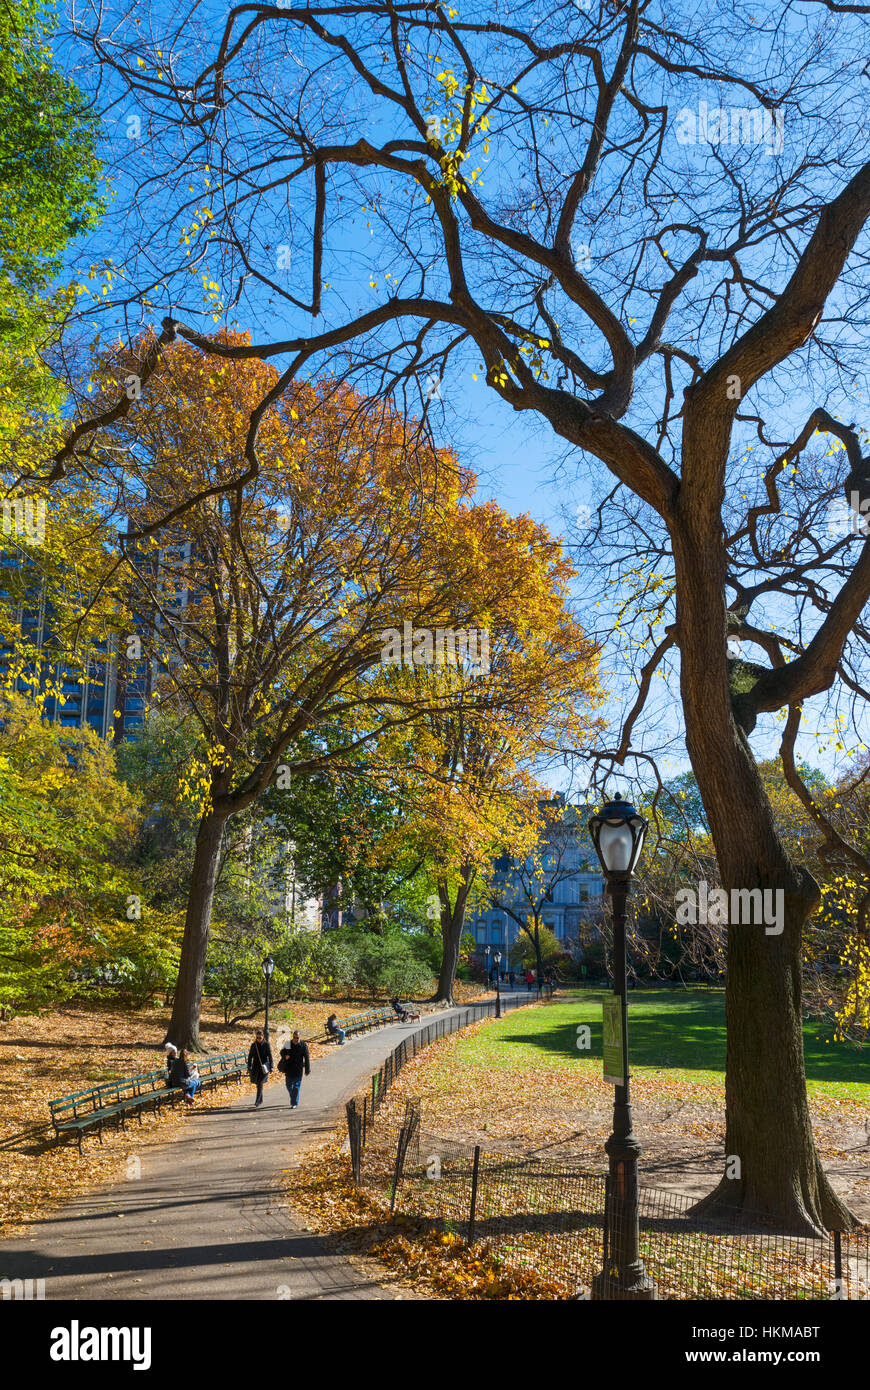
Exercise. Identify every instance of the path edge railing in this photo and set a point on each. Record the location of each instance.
(361, 1110)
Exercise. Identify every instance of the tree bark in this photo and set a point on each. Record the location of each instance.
(452, 922)
(539, 963)
(120, 700)
(184, 1026)
(535, 939)
(768, 1126)
(768, 1123)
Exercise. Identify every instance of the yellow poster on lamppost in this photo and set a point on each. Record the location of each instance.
(612, 1038)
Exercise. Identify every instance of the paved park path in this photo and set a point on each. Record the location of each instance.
(206, 1218)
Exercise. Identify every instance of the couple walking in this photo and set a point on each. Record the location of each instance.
(294, 1062)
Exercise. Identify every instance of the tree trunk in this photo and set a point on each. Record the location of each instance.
(452, 922)
(184, 1026)
(767, 1117)
(539, 963)
(120, 700)
(768, 1129)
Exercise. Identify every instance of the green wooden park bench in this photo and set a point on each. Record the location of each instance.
(113, 1101)
(362, 1023)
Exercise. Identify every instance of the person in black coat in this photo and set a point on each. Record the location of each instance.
(295, 1061)
(182, 1077)
(333, 1029)
(259, 1063)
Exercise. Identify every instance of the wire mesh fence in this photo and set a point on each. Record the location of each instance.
(568, 1227)
(422, 1038)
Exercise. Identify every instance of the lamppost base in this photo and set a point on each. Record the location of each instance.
(635, 1289)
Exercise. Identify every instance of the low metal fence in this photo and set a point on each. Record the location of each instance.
(548, 1218)
(422, 1038)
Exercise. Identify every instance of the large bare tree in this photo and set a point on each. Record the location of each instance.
(644, 227)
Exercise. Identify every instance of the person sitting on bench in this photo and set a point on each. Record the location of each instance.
(403, 1013)
(333, 1029)
(182, 1076)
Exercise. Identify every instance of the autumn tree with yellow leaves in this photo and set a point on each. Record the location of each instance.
(264, 605)
(677, 305)
(487, 743)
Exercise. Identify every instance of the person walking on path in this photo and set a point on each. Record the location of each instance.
(530, 980)
(295, 1061)
(184, 1077)
(259, 1063)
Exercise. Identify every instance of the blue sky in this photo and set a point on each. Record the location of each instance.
(515, 459)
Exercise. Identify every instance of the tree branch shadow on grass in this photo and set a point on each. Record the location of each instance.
(686, 1032)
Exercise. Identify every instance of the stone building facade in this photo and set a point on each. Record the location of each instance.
(574, 878)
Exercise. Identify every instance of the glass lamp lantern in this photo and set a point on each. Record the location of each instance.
(617, 832)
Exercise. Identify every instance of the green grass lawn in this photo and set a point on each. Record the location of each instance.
(675, 1030)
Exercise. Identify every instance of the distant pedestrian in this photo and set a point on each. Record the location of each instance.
(259, 1063)
(530, 980)
(184, 1077)
(293, 1064)
(333, 1029)
(511, 978)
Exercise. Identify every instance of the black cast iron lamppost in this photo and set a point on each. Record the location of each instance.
(268, 967)
(497, 959)
(486, 951)
(617, 833)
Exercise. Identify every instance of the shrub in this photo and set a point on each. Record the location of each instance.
(390, 963)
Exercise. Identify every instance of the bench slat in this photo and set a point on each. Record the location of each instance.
(82, 1110)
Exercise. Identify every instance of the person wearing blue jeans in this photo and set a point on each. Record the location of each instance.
(333, 1029)
(294, 1064)
(182, 1078)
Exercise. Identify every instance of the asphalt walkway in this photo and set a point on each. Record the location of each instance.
(204, 1219)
